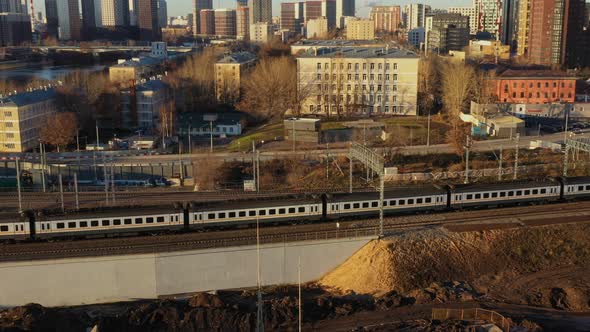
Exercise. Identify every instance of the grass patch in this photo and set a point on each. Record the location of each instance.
(264, 133)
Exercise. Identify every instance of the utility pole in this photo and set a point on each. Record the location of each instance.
(190, 145)
(257, 170)
(113, 181)
(516, 157)
(76, 191)
(106, 181)
(18, 185)
(500, 165)
(61, 193)
(299, 282)
(327, 161)
(350, 174)
(254, 165)
(96, 135)
(428, 131)
(42, 160)
(211, 136)
(566, 123)
(259, 318)
(293, 133)
(467, 147)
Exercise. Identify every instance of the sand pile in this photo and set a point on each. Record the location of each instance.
(414, 260)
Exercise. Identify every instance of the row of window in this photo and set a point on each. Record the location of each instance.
(393, 202)
(364, 108)
(522, 95)
(580, 188)
(357, 98)
(357, 66)
(371, 77)
(510, 193)
(522, 85)
(356, 87)
(252, 213)
(17, 228)
(108, 222)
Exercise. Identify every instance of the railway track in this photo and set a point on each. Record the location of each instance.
(477, 220)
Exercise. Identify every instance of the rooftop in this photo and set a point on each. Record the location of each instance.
(337, 42)
(28, 97)
(534, 73)
(359, 52)
(151, 85)
(139, 62)
(197, 120)
(238, 57)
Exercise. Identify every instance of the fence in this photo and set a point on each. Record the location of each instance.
(472, 314)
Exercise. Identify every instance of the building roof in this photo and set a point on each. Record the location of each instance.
(197, 120)
(337, 42)
(238, 57)
(151, 85)
(534, 74)
(28, 97)
(358, 52)
(139, 62)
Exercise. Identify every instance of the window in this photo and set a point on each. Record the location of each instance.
(319, 77)
(527, 192)
(486, 195)
(106, 223)
(402, 202)
(3, 228)
(395, 77)
(252, 213)
(580, 188)
(375, 204)
(83, 224)
(149, 220)
(319, 65)
(469, 196)
(242, 214)
(356, 205)
(503, 194)
(494, 195)
(60, 225)
(510, 193)
(272, 211)
(232, 214)
(138, 220)
(372, 66)
(117, 222)
(262, 213)
(519, 193)
(428, 200)
(7, 113)
(301, 209)
(347, 206)
(365, 204)
(419, 201)
(393, 202)
(477, 196)
(211, 216)
(72, 224)
(94, 223)
(126, 221)
(535, 191)
(282, 211)
(221, 215)
(291, 210)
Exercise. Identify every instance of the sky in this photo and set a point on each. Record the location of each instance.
(183, 7)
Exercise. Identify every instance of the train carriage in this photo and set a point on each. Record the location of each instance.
(246, 212)
(486, 195)
(398, 200)
(112, 221)
(14, 226)
(576, 187)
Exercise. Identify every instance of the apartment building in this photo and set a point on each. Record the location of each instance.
(360, 29)
(228, 75)
(534, 87)
(21, 117)
(354, 80)
(386, 19)
(141, 105)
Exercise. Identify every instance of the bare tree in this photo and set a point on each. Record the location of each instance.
(59, 129)
(428, 83)
(457, 85)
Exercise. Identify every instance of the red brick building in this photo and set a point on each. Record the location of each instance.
(534, 87)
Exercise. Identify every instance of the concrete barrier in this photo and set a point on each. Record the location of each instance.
(76, 281)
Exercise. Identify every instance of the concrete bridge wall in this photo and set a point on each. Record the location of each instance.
(77, 281)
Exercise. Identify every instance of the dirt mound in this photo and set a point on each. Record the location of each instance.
(34, 317)
(491, 260)
(205, 300)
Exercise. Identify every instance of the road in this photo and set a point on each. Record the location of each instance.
(133, 158)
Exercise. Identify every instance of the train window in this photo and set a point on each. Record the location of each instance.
(477, 196)
(83, 223)
(117, 222)
(138, 220)
(469, 196)
(3, 228)
(42, 227)
(211, 216)
(375, 204)
(72, 224)
(252, 213)
(410, 201)
(392, 202)
(262, 213)
(502, 194)
(94, 223)
(149, 220)
(580, 188)
(419, 201)
(356, 205)
(282, 211)
(232, 214)
(158, 219)
(510, 193)
(494, 195)
(527, 192)
(127, 221)
(535, 191)
(486, 195)
(428, 200)
(587, 187)
(402, 202)
(221, 215)
(60, 225)
(272, 211)
(519, 193)
(242, 213)
(365, 204)
(385, 203)
(291, 210)
(301, 209)
(106, 222)
(347, 206)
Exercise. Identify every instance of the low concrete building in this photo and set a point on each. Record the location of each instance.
(261, 32)
(228, 75)
(492, 120)
(360, 29)
(317, 28)
(21, 117)
(221, 124)
(126, 71)
(302, 130)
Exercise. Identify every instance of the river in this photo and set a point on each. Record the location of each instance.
(44, 72)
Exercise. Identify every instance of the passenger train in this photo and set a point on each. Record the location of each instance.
(415, 199)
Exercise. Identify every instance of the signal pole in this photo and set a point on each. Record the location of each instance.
(467, 147)
(516, 157)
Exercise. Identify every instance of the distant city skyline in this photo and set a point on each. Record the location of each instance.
(184, 7)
